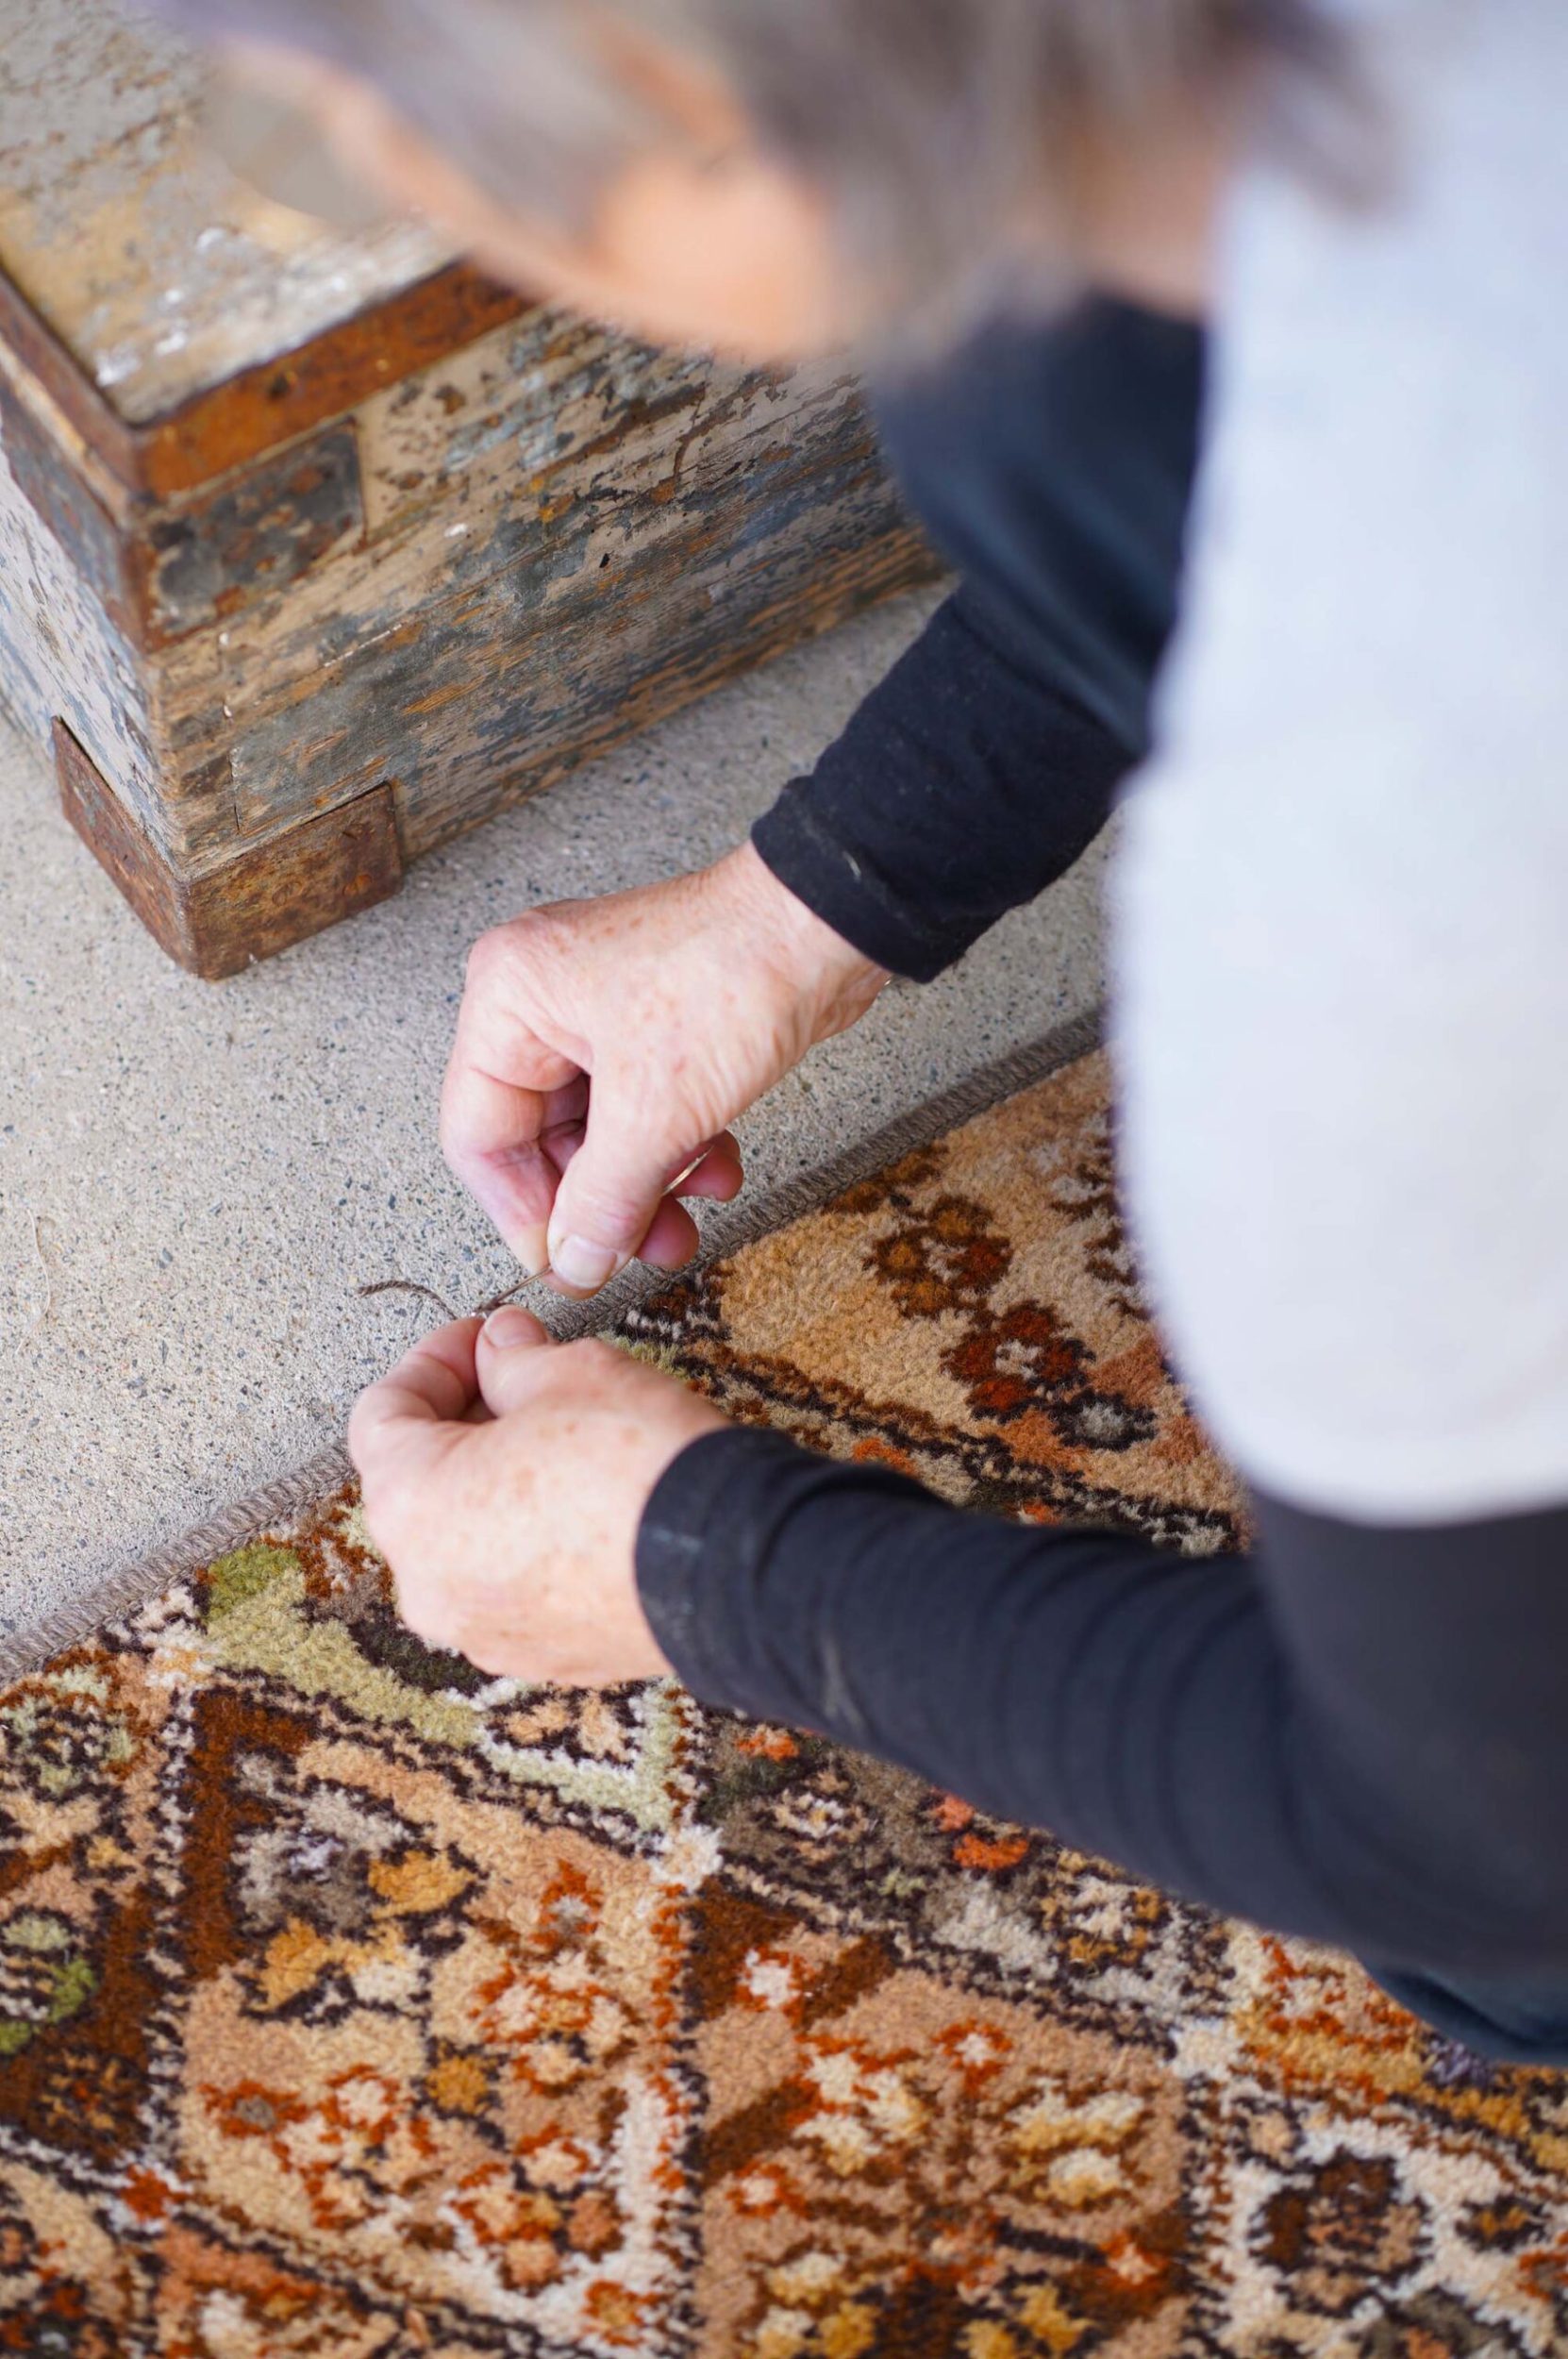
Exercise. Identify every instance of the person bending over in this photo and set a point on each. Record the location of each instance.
(1226, 327)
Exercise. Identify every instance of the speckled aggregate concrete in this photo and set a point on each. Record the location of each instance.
(195, 1179)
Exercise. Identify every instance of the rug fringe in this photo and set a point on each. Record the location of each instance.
(282, 1501)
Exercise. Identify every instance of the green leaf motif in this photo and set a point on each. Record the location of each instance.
(234, 1580)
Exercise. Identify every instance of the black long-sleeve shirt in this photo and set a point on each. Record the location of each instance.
(1056, 471)
(1353, 1733)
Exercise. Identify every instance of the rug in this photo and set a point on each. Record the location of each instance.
(352, 2005)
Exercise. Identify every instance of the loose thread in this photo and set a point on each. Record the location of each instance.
(428, 1294)
(408, 1286)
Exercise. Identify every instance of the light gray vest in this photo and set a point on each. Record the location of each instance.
(1342, 902)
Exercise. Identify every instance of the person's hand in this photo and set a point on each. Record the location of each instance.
(605, 1046)
(505, 1478)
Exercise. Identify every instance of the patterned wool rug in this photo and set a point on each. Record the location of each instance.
(352, 2005)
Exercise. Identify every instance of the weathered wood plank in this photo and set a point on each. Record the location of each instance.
(531, 664)
(304, 386)
(157, 270)
(301, 539)
(161, 573)
(38, 371)
(64, 654)
(183, 325)
(255, 537)
(558, 720)
(479, 427)
(61, 654)
(96, 544)
(265, 901)
(694, 458)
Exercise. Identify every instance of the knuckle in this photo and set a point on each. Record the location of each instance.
(364, 1430)
(385, 1500)
(502, 961)
(592, 1352)
(591, 1365)
(490, 954)
(601, 1205)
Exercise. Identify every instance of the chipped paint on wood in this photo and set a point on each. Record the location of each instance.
(159, 272)
(510, 410)
(96, 546)
(545, 722)
(262, 900)
(415, 559)
(521, 658)
(61, 656)
(268, 406)
(482, 699)
(643, 452)
(161, 575)
(259, 534)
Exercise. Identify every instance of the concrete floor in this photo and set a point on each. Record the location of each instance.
(195, 1179)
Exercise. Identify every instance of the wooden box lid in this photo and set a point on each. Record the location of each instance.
(182, 323)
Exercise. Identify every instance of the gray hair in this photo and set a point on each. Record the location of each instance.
(929, 126)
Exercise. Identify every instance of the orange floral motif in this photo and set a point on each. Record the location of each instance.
(349, 2150)
(990, 1855)
(769, 1744)
(992, 1858)
(525, 2231)
(354, 2005)
(948, 1257)
(557, 2023)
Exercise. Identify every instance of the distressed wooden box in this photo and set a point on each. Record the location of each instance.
(316, 549)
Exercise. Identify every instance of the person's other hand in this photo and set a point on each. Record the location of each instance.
(505, 1478)
(605, 1046)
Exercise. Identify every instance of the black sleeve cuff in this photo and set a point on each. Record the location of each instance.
(703, 1554)
(964, 785)
(841, 888)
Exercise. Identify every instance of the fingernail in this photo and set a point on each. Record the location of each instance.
(580, 1263)
(531, 1248)
(505, 1329)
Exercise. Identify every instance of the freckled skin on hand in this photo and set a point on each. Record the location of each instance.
(603, 1046)
(603, 1049)
(513, 1542)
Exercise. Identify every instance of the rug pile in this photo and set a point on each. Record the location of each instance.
(353, 2007)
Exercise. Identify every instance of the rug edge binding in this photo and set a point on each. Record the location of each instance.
(134, 1585)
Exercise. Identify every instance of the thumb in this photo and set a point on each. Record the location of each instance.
(612, 1187)
(506, 1359)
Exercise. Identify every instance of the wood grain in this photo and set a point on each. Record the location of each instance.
(42, 470)
(160, 274)
(554, 654)
(256, 535)
(656, 452)
(565, 722)
(314, 553)
(306, 384)
(276, 894)
(62, 653)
